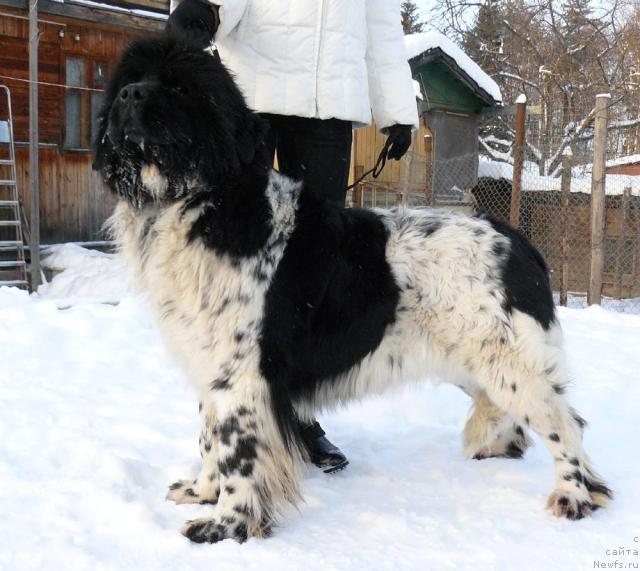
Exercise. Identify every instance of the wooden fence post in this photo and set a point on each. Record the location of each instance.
(598, 199)
(622, 242)
(34, 140)
(518, 153)
(357, 189)
(565, 193)
(428, 166)
(407, 164)
(635, 274)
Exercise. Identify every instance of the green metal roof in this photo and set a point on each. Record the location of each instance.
(446, 86)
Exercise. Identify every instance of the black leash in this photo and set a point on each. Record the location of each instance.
(377, 168)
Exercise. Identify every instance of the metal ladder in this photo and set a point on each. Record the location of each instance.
(13, 266)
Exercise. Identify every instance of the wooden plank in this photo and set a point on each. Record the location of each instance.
(428, 162)
(14, 62)
(406, 171)
(635, 275)
(368, 142)
(594, 295)
(65, 195)
(93, 14)
(161, 6)
(565, 192)
(34, 138)
(518, 154)
(622, 243)
(357, 191)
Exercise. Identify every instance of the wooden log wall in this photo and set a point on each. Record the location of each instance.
(73, 201)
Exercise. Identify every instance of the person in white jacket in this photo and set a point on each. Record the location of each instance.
(314, 69)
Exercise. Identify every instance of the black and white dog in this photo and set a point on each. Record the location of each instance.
(278, 304)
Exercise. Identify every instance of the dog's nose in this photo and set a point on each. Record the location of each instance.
(135, 93)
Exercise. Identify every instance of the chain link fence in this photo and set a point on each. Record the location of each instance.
(551, 204)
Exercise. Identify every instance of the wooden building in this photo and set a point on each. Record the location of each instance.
(79, 44)
(629, 166)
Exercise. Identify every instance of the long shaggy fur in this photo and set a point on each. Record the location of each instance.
(278, 304)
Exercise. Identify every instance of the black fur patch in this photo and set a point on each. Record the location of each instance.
(514, 450)
(330, 302)
(581, 421)
(206, 532)
(525, 276)
(223, 170)
(241, 460)
(229, 427)
(597, 487)
(221, 384)
(559, 389)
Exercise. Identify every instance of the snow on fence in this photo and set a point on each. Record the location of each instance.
(589, 234)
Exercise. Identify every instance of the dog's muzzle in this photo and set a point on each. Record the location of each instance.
(129, 106)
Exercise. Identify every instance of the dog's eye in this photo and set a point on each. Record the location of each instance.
(182, 89)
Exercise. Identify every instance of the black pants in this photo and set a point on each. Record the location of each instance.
(316, 151)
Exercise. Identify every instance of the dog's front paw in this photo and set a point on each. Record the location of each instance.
(564, 503)
(211, 530)
(193, 492)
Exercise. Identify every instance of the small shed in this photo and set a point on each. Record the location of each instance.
(454, 93)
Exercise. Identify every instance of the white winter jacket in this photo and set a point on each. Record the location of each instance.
(319, 58)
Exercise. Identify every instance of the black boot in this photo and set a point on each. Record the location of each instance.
(322, 453)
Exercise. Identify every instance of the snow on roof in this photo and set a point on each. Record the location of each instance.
(416, 89)
(532, 181)
(415, 44)
(131, 11)
(628, 160)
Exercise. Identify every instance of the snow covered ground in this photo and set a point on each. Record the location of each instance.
(95, 422)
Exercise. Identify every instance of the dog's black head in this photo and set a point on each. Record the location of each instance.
(173, 121)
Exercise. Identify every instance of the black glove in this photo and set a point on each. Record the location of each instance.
(196, 20)
(399, 141)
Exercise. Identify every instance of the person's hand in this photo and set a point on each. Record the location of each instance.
(399, 141)
(194, 19)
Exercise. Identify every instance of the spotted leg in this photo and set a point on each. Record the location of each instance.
(258, 471)
(206, 487)
(578, 489)
(527, 382)
(490, 432)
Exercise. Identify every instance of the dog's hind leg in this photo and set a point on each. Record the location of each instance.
(527, 381)
(490, 432)
(206, 487)
(259, 472)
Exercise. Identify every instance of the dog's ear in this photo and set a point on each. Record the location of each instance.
(250, 137)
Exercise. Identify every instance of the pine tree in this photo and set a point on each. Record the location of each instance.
(483, 41)
(577, 21)
(411, 23)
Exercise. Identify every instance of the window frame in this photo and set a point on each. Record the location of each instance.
(90, 62)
